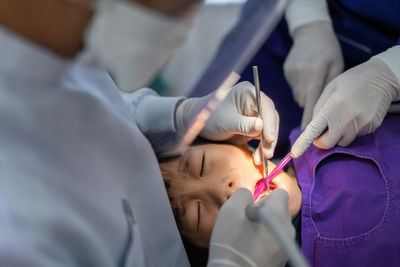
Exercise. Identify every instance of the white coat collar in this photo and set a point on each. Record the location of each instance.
(24, 60)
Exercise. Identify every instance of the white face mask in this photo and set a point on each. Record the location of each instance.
(132, 42)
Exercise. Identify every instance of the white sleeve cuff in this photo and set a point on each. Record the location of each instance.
(156, 114)
(391, 57)
(301, 12)
(152, 112)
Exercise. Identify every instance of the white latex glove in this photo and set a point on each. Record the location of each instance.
(239, 241)
(235, 119)
(355, 103)
(314, 59)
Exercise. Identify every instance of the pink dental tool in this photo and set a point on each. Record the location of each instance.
(260, 115)
(261, 187)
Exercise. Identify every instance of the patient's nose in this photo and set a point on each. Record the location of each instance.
(223, 191)
(231, 187)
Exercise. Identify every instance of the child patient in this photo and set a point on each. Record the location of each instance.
(350, 198)
(205, 176)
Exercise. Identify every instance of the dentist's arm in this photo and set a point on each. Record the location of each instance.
(235, 119)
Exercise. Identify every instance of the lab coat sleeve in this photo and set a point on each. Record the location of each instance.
(155, 116)
(301, 12)
(391, 57)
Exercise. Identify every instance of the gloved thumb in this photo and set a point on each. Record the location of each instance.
(249, 126)
(257, 156)
(239, 200)
(312, 132)
(277, 200)
(260, 153)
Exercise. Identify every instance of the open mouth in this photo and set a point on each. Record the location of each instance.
(261, 187)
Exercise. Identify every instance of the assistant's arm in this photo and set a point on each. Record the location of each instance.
(315, 57)
(234, 119)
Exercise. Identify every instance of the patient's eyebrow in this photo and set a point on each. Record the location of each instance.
(184, 161)
(203, 159)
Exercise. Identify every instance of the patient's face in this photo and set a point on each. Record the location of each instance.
(205, 176)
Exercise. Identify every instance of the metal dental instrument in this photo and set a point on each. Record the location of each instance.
(261, 187)
(259, 111)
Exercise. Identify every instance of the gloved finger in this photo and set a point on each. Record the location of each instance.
(269, 148)
(307, 115)
(249, 126)
(312, 81)
(311, 100)
(334, 133)
(267, 151)
(346, 140)
(293, 69)
(290, 69)
(325, 95)
(278, 197)
(329, 139)
(297, 90)
(239, 200)
(277, 201)
(270, 117)
(312, 131)
(349, 135)
(312, 95)
(332, 136)
(257, 158)
(334, 70)
(263, 152)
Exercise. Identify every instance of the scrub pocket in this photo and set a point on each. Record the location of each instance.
(348, 212)
(133, 254)
(349, 199)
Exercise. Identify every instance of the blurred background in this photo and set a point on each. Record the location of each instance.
(214, 20)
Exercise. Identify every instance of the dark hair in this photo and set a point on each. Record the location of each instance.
(197, 256)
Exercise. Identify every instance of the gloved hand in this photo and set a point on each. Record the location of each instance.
(355, 103)
(235, 119)
(314, 59)
(239, 241)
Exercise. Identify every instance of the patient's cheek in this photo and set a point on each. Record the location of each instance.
(289, 184)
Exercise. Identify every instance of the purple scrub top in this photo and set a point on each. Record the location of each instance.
(351, 200)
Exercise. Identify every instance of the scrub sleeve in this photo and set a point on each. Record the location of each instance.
(351, 200)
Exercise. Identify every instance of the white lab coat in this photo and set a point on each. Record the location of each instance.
(79, 182)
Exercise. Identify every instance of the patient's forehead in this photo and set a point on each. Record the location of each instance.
(170, 166)
(169, 169)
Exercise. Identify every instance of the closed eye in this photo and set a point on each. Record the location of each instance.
(202, 164)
